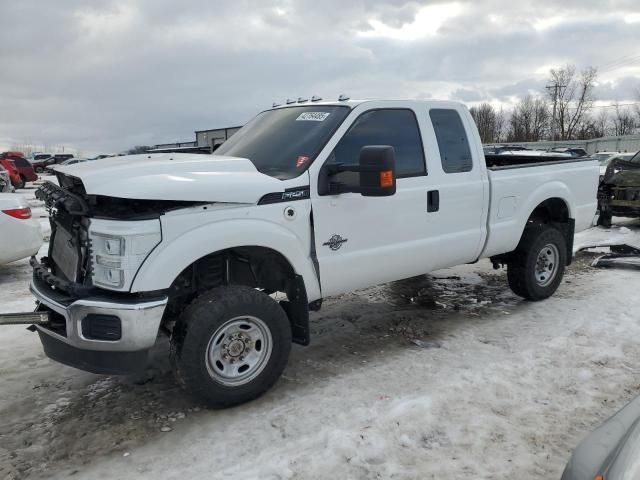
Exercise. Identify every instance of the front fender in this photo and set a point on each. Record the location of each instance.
(180, 248)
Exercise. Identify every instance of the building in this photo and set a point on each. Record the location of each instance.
(206, 141)
(215, 137)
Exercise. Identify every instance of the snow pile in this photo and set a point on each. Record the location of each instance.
(510, 392)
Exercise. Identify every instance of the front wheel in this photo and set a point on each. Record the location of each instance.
(537, 266)
(230, 345)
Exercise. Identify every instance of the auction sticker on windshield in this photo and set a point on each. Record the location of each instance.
(312, 116)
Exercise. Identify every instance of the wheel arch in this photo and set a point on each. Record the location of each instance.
(254, 253)
(171, 257)
(545, 209)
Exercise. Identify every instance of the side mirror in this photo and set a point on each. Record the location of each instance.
(377, 174)
(377, 171)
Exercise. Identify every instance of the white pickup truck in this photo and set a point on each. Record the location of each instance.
(307, 200)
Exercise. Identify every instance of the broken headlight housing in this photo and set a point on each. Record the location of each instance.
(118, 249)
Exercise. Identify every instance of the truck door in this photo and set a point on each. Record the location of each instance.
(458, 173)
(362, 241)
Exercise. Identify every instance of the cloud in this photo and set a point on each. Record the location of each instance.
(107, 74)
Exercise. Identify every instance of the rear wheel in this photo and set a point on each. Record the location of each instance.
(231, 345)
(537, 266)
(22, 182)
(39, 169)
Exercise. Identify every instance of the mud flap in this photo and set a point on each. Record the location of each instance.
(297, 309)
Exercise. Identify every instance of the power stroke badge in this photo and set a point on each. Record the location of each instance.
(335, 242)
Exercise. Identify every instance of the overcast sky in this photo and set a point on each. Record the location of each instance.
(105, 75)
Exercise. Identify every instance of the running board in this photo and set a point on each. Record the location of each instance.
(38, 318)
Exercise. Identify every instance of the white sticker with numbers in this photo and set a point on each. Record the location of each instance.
(312, 117)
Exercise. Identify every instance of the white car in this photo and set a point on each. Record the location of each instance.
(20, 234)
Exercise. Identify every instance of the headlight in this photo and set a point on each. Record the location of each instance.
(118, 248)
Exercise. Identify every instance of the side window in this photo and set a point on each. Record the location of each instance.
(453, 144)
(395, 127)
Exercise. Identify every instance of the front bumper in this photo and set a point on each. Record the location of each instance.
(66, 339)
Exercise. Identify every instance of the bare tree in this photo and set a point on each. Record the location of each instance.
(500, 125)
(637, 105)
(623, 121)
(601, 122)
(572, 95)
(529, 120)
(485, 118)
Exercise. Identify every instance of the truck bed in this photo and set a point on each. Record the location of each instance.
(502, 162)
(515, 191)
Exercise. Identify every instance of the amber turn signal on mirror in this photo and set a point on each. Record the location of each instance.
(386, 178)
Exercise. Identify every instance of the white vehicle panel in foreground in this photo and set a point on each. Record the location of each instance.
(19, 238)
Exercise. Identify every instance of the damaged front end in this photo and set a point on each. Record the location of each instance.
(90, 320)
(619, 191)
(90, 247)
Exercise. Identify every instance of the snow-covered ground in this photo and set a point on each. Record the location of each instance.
(447, 375)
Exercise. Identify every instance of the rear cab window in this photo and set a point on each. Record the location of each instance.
(453, 144)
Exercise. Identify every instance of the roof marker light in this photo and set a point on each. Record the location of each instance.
(302, 99)
(343, 97)
(290, 101)
(316, 98)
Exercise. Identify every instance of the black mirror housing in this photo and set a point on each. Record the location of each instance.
(377, 169)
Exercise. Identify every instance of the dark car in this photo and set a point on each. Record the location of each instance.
(62, 157)
(41, 160)
(611, 451)
(24, 167)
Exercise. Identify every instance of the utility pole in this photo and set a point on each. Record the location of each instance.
(554, 124)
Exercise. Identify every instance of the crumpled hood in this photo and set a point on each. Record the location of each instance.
(623, 174)
(175, 176)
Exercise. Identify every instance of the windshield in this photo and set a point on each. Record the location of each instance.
(282, 143)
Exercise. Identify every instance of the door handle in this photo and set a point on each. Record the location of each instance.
(433, 201)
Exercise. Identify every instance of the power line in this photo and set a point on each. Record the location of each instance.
(618, 60)
(615, 105)
(620, 63)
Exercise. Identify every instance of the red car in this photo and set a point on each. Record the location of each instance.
(14, 175)
(23, 166)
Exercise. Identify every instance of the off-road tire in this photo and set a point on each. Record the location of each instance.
(200, 320)
(521, 268)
